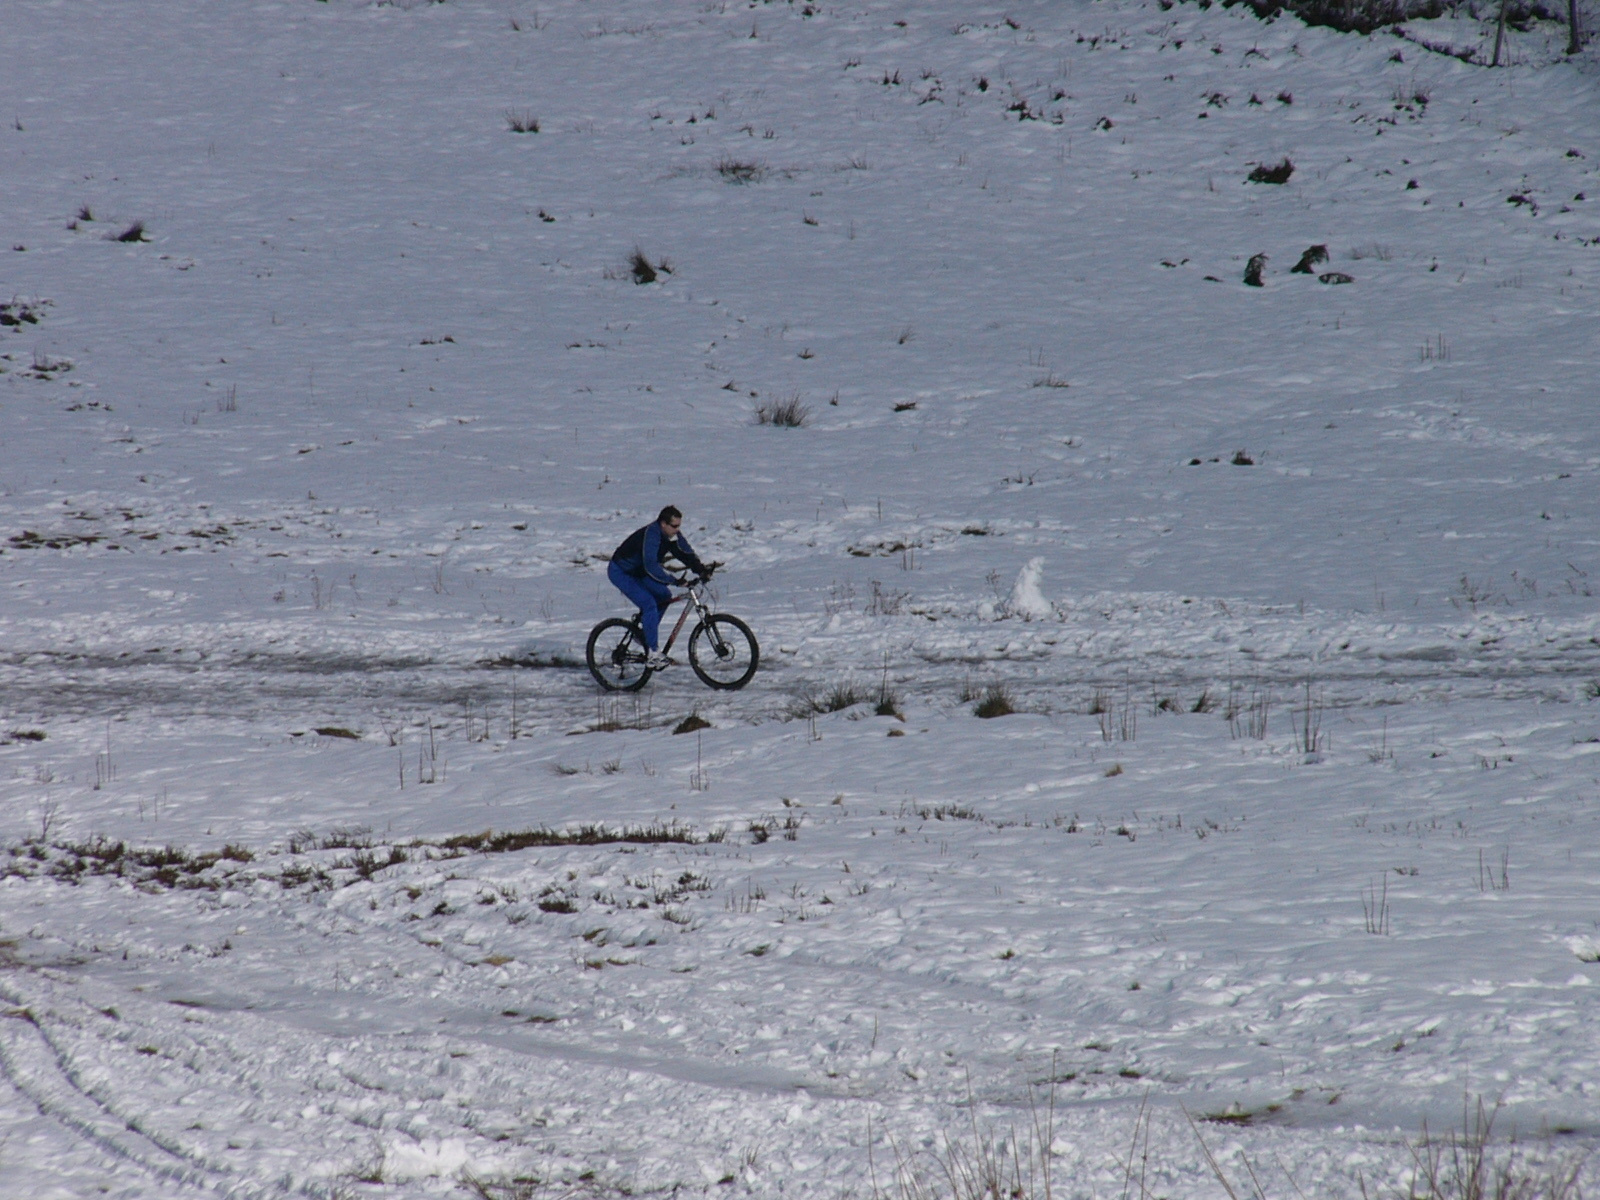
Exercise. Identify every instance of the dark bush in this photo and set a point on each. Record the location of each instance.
(1278, 173)
(1309, 260)
(1364, 16)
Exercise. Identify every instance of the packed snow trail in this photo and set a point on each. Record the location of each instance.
(1144, 645)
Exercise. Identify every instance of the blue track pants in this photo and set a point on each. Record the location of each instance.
(650, 597)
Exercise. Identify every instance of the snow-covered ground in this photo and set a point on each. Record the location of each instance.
(1292, 588)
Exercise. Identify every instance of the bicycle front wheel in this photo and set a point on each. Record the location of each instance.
(723, 652)
(617, 655)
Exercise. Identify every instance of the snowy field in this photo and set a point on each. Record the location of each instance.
(325, 868)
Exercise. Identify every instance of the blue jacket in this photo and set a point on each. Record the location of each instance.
(644, 550)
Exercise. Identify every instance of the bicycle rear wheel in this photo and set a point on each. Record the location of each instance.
(616, 654)
(724, 653)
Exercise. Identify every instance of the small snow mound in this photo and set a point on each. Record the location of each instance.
(405, 1159)
(1027, 601)
(1586, 948)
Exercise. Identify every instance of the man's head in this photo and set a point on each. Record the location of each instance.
(670, 520)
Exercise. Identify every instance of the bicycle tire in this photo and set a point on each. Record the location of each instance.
(724, 653)
(616, 655)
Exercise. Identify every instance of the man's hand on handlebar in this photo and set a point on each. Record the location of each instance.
(687, 580)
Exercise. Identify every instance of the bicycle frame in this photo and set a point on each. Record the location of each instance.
(694, 605)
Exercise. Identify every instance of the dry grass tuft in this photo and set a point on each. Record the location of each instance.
(789, 413)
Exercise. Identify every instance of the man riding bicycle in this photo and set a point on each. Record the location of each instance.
(636, 571)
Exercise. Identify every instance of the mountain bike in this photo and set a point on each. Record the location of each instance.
(722, 650)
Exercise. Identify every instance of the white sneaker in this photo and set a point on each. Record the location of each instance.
(659, 662)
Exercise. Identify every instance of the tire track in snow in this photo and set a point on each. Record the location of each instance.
(40, 1071)
(557, 698)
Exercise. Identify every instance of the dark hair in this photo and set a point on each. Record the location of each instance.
(669, 513)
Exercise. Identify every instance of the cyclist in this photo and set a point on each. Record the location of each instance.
(636, 571)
